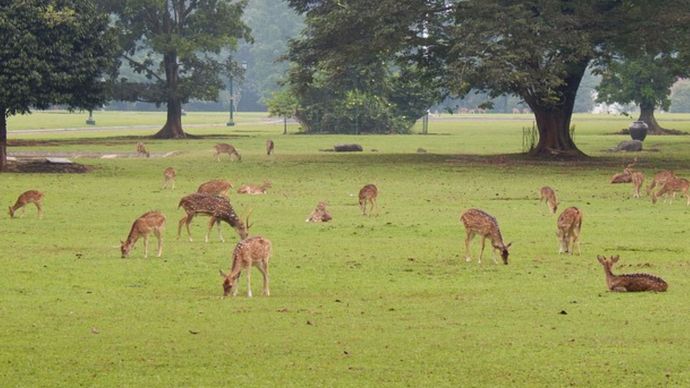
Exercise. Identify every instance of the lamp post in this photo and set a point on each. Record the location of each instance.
(231, 120)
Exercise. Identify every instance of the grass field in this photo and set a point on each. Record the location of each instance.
(383, 300)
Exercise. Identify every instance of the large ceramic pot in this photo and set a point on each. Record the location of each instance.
(638, 130)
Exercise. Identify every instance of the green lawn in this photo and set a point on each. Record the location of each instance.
(384, 300)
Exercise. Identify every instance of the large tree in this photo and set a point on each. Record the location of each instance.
(51, 52)
(538, 50)
(182, 47)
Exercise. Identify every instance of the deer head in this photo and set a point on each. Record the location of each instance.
(125, 247)
(504, 251)
(11, 212)
(228, 282)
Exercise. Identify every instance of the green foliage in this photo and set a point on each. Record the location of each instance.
(680, 97)
(282, 103)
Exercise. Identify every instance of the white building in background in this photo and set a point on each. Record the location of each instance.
(612, 109)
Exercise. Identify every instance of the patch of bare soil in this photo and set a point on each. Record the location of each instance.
(41, 166)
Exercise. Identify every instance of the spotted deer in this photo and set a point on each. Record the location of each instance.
(270, 146)
(637, 181)
(253, 251)
(254, 189)
(547, 194)
(153, 221)
(569, 224)
(635, 282)
(215, 187)
(659, 179)
(215, 206)
(25, 198)
(673, 186)
(169, 178)
(141, 150)
(368, 193)
(223, 148)
(478, 222)
(320, 214)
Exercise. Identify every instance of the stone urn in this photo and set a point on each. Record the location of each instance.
(638, 130)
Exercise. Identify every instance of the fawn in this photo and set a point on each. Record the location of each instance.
(569, 225)
(478, 222)
(269, 146)
(217, 207)
(634, 282)
(320, 214)
(254, 251)
(368, 193)
(254, 189)
(141, 150)
(215, 187)
(27, 197)
(547, 194)
(223, 148)
(673, 186)
(659, 179)
(169, 178)
(153, 221)
(637, 181)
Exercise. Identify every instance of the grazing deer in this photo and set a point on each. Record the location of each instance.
(630, 282)
(368, 193)
(169, 178)
(153, 221)
(478, 222)
(569, 225)
(269, 146)
(254, 189)
(659, 179)
(141, 150)
(217, 207)
(320, 214)
(673, 186)
(547, 194)
(254, 251)
(27, 197)
(215, 187)
(223, 148)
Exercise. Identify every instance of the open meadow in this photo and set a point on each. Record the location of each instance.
(367, 301)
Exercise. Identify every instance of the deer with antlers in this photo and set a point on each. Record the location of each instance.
(253, 251)
(223, 148)
(673, 186)
(569, 224)
(547, 194)
(369, 193)
(320, 214)
(635, 282)
(215, 206)
(169, 178)
(25, 198)
(478, 222)
(141, 150)
(270, 146)
(215, 187)
(660, 178)
(153, 221)
(252, 189)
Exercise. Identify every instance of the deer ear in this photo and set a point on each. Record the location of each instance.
(509, 245)
(601, 259)
(221, 273)
(122, 242)
(614, 259)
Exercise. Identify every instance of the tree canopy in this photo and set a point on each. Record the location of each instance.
(52, 52)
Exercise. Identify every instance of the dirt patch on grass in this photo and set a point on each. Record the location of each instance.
(41, 166)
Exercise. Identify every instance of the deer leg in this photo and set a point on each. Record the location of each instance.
(481, 252)
(220, 235)
(263, 268)
(468, 239)
(39, 206)
(159, 237)
(249, 281)
(173, 185)
(146, 246)
(210, 226)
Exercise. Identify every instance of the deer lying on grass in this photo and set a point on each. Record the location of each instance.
(217, 207)
(673, 186)
(25, 198)
(254, 251)
(368, 193)
(630, 282)
(659, 179)
(269, 146)
(223, 148)
(569, 225)
(141, 150)
(153, 221)
(215, 187)
(629, 175)
(320, 214)
(478, 222)
(169, 178)
(547, 194)
(254, 189)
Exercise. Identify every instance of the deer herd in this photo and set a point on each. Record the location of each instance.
(211, 199)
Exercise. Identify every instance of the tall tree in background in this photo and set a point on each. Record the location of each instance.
(645, 80)
(51, 52)
(181, 46)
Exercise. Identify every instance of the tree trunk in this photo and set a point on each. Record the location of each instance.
(173, 124)
(3, 139)
(647, 115)
(553, 119)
